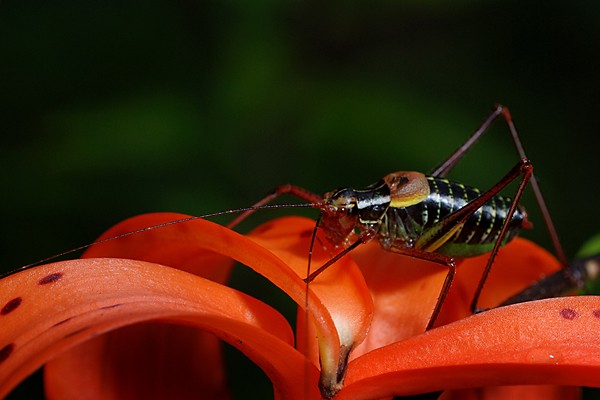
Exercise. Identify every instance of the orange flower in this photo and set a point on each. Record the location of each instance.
(361, 337)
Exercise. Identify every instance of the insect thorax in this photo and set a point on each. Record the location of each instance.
(402, 226)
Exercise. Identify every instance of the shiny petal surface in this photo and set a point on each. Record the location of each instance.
(340, 289)
(55, 307)
(529, 392)
(405, 290)
(170, 243)
(145, 360)
(193, 355)
(517, 265)
(51, 308)
(551, 341)
(338, 301)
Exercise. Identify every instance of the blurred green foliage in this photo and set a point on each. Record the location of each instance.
(590, 248)
(116, 108)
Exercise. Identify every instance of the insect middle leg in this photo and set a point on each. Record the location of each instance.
(415, 253)
(443, 231)
(441, 259)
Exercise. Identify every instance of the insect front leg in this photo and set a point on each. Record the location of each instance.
(279, 190)
(362, 238)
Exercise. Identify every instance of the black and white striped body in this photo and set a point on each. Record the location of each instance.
(476, 236)
(405, 209)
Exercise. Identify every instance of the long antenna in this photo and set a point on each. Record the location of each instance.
(153, 227)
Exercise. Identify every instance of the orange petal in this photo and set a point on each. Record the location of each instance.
(552, 341)
(404, 290)
(517, 265)
(53, 307)
(141, 361)
(186, 355)
(167, 245)
(529, 392)
(338, 299)
(340, 289)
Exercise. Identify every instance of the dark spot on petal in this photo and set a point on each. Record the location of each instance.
(568, 313)
(596, 313)
(50, 278)
(11, 305)
(6, 351)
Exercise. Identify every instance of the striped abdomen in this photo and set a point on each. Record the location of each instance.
(478, 234)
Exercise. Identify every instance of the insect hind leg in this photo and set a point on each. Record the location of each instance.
(440, 233)
(499, 110)
(525, 169)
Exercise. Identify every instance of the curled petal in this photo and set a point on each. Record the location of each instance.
(53, 307)
(141, 361)
(340, 289)
(338, 300)
(552, 341)
(185, 355)
(167, 244)
(404, 290)
(529, 392)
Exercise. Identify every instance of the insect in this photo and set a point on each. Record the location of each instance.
(427, 216)
(410, 213)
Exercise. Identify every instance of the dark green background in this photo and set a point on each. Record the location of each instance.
(118, 108)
